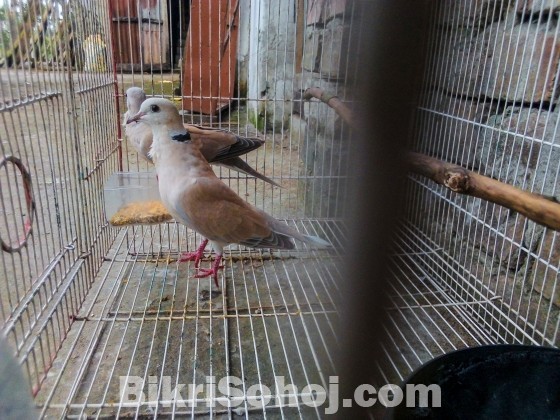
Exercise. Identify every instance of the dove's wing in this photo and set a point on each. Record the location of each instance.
(224, 148)
(220, 215)
(219, 145)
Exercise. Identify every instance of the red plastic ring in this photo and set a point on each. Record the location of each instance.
(29, 202)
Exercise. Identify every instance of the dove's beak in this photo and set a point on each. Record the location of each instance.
(135, 118)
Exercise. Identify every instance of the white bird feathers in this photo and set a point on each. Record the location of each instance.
(197, 198)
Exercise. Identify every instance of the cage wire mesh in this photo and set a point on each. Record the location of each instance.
(468, 272)
(85, 305)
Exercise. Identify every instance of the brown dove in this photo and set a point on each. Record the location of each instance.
(196, 197)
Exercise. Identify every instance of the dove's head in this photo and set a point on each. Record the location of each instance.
(134, 98)
(157, 112)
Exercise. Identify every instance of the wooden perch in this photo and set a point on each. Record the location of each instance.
(536, 207)
(460, 180)
(331, 100)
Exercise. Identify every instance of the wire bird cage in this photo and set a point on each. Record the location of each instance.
(84, 305)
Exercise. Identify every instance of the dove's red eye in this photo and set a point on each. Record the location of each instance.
(155, 108)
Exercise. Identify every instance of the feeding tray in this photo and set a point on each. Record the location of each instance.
(489, 382)
(132, 198)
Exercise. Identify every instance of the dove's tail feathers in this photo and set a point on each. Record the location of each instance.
(316, 241)
(282, 228)
(275, 240)
(240, 165)
(263, 178)
(279, 240)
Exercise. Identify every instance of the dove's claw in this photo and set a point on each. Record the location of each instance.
(195, 256)
(190, 256)
(205, 272)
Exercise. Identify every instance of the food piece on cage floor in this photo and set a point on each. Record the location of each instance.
(197, 198)
(141, 213)
(219, 147)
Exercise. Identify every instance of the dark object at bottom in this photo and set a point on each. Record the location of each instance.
(489, 382)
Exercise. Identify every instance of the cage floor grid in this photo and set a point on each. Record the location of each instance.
(426, 318)
(148, 322)
(148, 318)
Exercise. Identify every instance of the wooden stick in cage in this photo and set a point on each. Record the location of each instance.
(536, 207)
(540, 209)
(331, 100)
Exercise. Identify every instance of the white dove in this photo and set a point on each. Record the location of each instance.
(219, 147)
(139, 135)
(196, 197)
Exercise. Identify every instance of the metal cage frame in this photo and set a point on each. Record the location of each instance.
(86, 306)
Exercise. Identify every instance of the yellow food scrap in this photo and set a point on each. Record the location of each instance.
(141, 213)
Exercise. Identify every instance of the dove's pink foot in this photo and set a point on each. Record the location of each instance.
(195, 256)
(205, 272)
